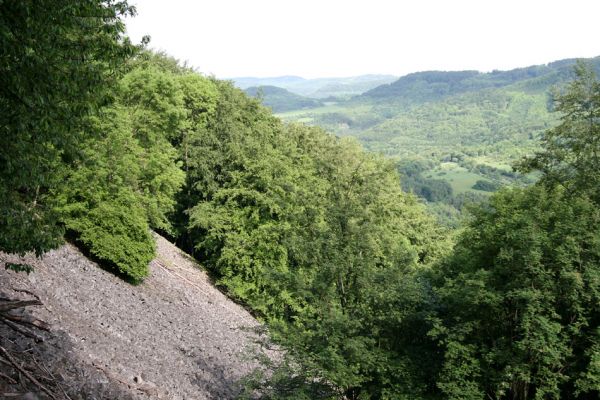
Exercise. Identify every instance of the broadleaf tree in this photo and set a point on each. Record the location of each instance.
(58, 62)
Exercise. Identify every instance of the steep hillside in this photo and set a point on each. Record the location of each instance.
(173, 337)
(281, 100)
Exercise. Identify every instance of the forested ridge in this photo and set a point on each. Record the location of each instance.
(371, 298)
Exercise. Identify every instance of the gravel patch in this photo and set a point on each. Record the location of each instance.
(175, 336)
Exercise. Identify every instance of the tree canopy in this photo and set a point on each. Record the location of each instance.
(519, 315)
(59, 62)
(571, 150)
(519, 301)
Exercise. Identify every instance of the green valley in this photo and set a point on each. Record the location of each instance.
(465, 126)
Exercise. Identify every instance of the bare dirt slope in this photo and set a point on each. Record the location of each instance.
(175, 336)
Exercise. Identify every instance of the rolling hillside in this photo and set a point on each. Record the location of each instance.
(465, 125)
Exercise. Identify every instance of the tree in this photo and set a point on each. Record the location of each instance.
(102, 203)
(128, 175)
(195, 139)
(359, 275)
(247, 192)
(58, 63)
(571, 150)
(153, 100)
(518, 315)
(519, 299)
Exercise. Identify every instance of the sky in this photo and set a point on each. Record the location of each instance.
(338, 38)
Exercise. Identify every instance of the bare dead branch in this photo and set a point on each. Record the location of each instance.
(11, 305)
(28, 320)
(8, 378)
(29, 292)
(22, 330)
(7, 355)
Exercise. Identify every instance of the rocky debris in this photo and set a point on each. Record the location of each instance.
(175, 336)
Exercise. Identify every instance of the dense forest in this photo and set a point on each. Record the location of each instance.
(103, 141)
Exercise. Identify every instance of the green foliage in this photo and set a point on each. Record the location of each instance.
(570, 154)
(315, 235)
(520, 298)
(244, 212)
(100, 203)
(432, 190)
(285, 380)
(82, 146)
(520, 294)
(19, 267)
(486, 186)
(116, 231)
(154, 102)
(127, 176)
(58, 62)
(498, 124)
(375, 237)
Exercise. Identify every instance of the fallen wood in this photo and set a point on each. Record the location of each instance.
(43, 368)
(28, 320)
(8, 378)
(31, 378)
(29, 292)
(22, 330)
(11, 305)
(18, 322)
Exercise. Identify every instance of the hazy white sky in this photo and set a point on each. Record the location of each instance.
(324, 38)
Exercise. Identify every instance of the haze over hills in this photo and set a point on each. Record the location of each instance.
(281, 81)
(319, 87)
(281, 100)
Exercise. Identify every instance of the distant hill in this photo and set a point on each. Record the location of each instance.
(281, 100)
(465, 126)
(424, 86)
(320, 87)
(436, 85)
(419, 112)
